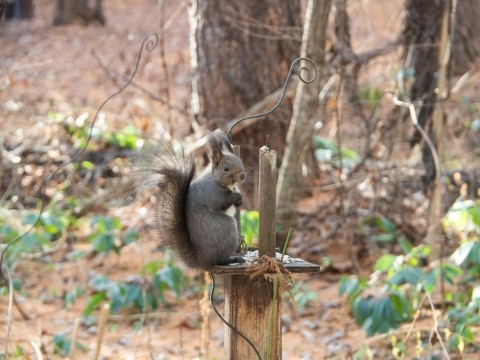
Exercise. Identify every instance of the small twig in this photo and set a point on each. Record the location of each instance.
(415, 318)
(9, 311)
(165, 83)
(101, 328)
(426, 138)
(435, 327)
(37, 350)
(73, 338)
(20, 310)
(338, 121)
(285, 246)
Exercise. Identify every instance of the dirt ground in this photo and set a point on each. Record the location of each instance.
(71, 70)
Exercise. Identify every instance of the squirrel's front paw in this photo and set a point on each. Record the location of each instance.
(238, 200)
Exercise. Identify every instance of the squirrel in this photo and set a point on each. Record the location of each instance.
(195, 216)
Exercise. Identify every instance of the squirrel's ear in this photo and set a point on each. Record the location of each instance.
(215, 147)
(224, 139)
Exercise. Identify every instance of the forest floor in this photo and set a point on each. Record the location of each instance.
(48, 71)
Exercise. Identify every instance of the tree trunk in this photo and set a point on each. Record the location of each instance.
(66, 11)
(240, 53)
(18, 9)
(306, 111)
(466, 46)
(422, 35)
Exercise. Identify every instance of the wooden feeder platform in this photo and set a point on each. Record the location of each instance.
(297, 266)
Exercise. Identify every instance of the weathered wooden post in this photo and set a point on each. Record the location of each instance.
(254, 307)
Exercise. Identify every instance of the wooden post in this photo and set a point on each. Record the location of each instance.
(249, 305)
(267, 203)
(254, 307)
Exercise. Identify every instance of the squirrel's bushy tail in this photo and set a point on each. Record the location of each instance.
(158, 167)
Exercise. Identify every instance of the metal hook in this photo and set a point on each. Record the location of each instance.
(300, 76)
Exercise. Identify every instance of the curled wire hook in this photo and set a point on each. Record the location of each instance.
(149, 42)
(301, 71)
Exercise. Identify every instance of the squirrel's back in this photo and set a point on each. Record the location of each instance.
(160, 168)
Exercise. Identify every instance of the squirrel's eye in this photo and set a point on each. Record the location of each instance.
(226, 168)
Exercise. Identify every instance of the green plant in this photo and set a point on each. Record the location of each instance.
(19, 352)
(62, 345)
(127, 138)
(249, 226)
(465, 321)
(370, 95)
(327, 151)
(50, 226)
(141, 293)
(302, 295)
(81, 130)
(392, 293)
(382, 231)
(107, 234)
(376, 310)
(72, 296)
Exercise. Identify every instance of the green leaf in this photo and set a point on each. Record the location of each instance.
(115, 294)
(104, 243)
(401, 306)
(130, 236)
(404, 244)
(323, 143)
(87, 165)
(348, 284)
(151, 267)
(72, 295)
(408, 274)
(173, 278)
(62, 344)
(151, 301)
(75, 254)
(362, 309)
(385, 224)
(475, 214)
(132, 293)
(249, 226)
(385, 262)
(382, 238)
(430, 282)
(94, 302)
(462, 252)
(17, 284)
(30, 219)
(450, 272)
(453, 342)
(100, 282)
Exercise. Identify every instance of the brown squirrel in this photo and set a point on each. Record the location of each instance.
(195, 217)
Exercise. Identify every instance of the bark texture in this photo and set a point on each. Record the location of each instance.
(240, 53)
(306, 111)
